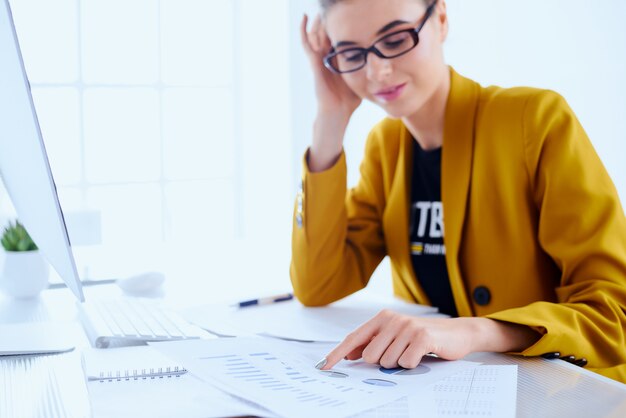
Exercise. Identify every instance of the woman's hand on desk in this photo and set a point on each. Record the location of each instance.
(391, 339)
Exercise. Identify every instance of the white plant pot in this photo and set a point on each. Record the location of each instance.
(25, 274)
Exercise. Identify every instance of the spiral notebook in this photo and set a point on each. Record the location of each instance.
(141, 382)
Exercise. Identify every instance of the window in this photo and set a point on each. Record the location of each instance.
(165, 117)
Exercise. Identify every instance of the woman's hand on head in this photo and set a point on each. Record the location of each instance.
(395, 340)
(334, 97)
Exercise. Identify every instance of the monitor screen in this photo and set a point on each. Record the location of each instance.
(24, 165)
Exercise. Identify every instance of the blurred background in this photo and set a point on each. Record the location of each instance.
(175, 128)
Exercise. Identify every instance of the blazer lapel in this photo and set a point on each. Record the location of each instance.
(456, 167)
(396, 220)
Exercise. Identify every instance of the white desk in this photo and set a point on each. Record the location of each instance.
(53, 386)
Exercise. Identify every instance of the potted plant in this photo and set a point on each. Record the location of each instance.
(25, 272)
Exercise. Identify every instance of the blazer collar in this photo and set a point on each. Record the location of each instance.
(456, 168)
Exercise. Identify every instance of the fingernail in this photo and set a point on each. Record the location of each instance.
(321, 363)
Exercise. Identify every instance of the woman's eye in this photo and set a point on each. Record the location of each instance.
(394, 42)
(353, 56)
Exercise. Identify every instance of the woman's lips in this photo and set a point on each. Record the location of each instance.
(390, 93)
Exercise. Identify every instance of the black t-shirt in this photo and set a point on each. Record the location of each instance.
(428, 251)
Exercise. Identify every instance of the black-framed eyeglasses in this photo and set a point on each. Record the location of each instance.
(389, 46)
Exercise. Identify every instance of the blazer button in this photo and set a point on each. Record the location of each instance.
(552, 355)
(482, 295)
(581, 363)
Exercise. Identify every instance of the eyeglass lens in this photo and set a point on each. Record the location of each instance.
(389, 47)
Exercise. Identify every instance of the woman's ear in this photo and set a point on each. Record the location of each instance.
(442, 19)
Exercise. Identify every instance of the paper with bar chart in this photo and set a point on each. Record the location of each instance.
(280, 376)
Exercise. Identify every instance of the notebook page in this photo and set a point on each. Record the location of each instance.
(155, 396)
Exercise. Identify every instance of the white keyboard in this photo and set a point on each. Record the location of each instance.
(132, 321)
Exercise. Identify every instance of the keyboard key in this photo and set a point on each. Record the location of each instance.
(134, 320)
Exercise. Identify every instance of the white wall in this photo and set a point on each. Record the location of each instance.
(575, 47)
(169, 118)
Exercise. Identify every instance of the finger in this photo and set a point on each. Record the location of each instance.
(375, 350)
(314, 35)
(392, 354)
(304, 36)
(356, 354)
(359, 337)
(349, 344)
(412, 356)
(324, 40)
(394, 326)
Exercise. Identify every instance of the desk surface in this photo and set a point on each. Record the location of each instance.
(54, 386)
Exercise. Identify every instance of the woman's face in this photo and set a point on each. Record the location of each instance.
(401, 85)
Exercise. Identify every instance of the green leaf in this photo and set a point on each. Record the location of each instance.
(16, 238)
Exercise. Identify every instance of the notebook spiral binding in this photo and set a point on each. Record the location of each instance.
(140, 374)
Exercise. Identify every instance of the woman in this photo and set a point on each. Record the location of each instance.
(532, 259)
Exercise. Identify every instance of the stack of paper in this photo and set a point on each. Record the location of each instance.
(325, 324)
(483, 391)
(280, 376)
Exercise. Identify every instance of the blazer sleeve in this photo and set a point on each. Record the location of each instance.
(337, 239)
(583, 228)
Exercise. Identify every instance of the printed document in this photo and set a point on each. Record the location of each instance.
(483, 391)
(279, 375)
(323, 324)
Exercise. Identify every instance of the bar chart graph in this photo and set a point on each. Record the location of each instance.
(266, 373)
(279, 375)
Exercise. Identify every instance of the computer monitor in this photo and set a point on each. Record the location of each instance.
(24, 165)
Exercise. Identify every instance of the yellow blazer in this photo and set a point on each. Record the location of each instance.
(531, 218)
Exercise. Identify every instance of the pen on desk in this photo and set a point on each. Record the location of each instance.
(264, 301)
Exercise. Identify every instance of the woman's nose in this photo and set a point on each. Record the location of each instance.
(378, 68)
